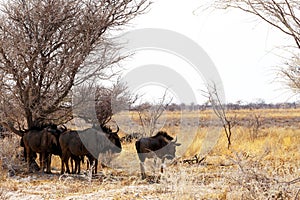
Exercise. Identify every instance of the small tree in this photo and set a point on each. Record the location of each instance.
(149, 114)
(219, 108)
(113, 100)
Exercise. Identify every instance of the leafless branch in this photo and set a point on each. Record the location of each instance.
(149, 114)
(97, 104)
(284, 15)
(220, 110)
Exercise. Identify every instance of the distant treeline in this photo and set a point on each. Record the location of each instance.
(232, 106)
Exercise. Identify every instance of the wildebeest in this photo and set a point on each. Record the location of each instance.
(160, 145)
(90, 142)
(42, 140)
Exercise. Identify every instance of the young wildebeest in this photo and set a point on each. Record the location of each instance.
(42, 140)
(90, 142)
(160, 145)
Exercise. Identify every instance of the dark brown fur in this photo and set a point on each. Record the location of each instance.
(89, 142)
(44, 141)
(160, 145)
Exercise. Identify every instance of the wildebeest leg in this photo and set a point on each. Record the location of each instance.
(92, 162)
(88, 164)
(154, 167)
(28, 158)
(72, 165)
(96, 165)
(142, 160)
(142, 170)
(25, 154)
(42, 161)
(92, 165)
(67, 165)
(43, 158)
(78, 165)
(82, 161)
(162, 165)
(76, 160)
(48, 162)
(33, 165)
(64, 163)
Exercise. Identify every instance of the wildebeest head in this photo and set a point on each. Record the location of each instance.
(170, 149)
(56, 130)
(115, 145)
(167, 148)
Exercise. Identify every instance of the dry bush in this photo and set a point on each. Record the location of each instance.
(3, 194)
(11, 154)
(178, 184)
(184, 181)
(254, 125)
(257, 179)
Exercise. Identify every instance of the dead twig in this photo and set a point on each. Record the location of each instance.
(194, 160)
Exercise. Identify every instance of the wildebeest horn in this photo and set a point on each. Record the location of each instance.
(116, 130)
(174, 140)
(64, 128)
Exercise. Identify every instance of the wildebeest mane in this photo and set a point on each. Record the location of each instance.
(163, 134)
(43, 126)
(106, 129)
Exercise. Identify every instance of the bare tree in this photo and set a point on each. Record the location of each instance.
(284, 15)
(291, 74)
(113, 100)
(219, 108)
(149, 114)
(97, 104)
(46, 44)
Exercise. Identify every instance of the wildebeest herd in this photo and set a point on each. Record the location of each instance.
(51, 139)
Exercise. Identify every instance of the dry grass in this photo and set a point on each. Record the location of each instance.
(264, 167)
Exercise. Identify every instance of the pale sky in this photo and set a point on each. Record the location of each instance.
(245, 50)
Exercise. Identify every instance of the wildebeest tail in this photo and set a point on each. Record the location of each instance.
(22, 142)
(137, 146)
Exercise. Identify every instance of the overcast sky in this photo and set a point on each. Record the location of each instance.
(245, 50)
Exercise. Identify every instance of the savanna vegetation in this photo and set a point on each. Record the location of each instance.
(262, 163)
